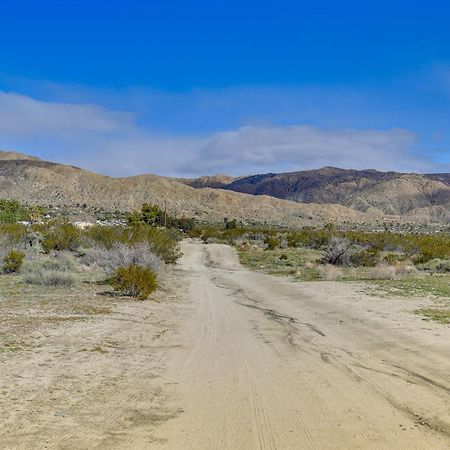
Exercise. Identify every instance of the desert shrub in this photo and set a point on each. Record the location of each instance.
(431, 265)
(60, 238)
(272, 242)
(230, 224)
(122, 255)
(13, 261)
(153, 215)
(37, 275)
(162, 241)
(337, 252)
(13, 237)
(443, 266)
(329, 272)
(405, 268)
(185, 224)
(392, 258)
(12, 211)
(383, 272)
(13, 232)
(102, 236)
(309, 237)
(60, 261)
(134, 281)
(368, 257)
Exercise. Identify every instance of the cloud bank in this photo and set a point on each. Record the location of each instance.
(119, 144)
(22, 115)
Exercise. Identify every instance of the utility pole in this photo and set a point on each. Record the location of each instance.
(165, 213)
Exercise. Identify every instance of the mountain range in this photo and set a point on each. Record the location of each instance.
(412, 195)
(288, 199)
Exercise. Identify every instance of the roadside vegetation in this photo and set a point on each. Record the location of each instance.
(390, 263)
(54, 253)
(131, 255)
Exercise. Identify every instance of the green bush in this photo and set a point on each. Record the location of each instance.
(15, 231)
(230, 224)
(272, 242)
(13, 261)
(61, 238)
(436, 265)
(12, 211)
(134, 281)
(368, 257)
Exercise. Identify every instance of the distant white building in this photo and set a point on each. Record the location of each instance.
(83, 225)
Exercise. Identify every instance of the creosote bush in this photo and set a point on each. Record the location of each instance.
(13, 261)
(368, 257)
(65, 237)
(272, 242)
(134, 281)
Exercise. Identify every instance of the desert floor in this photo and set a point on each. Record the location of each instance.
(222, 358)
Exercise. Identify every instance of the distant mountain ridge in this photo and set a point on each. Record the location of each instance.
(294, 199)
(37, 182)
(390, 193)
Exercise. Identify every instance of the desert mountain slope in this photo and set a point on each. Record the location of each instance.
(218, 181)
(311, 197)
(390, 193)
(41, 182)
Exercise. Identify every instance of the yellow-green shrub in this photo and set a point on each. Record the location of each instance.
(13, 261)
(134, 281)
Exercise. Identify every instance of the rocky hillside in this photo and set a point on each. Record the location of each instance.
(411, 196)
(34, 181)
(293, 199)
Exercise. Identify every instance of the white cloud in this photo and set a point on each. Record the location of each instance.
(22, 115)
(111, 142)
(277, 148)
(252, 150)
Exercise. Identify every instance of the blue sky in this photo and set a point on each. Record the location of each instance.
(188, 88)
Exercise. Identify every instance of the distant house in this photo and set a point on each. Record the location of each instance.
(83, 225)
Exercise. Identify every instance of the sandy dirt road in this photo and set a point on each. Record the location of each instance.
(271, 364)
(234, 359)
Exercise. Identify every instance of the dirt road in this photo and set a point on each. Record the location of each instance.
(233, 359)
(271, 364)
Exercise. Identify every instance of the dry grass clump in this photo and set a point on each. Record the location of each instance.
(405, 268)
(37, 275)
(55, 270)
(383, 272)
(310, 265)
(58, 261)
(329, 272)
